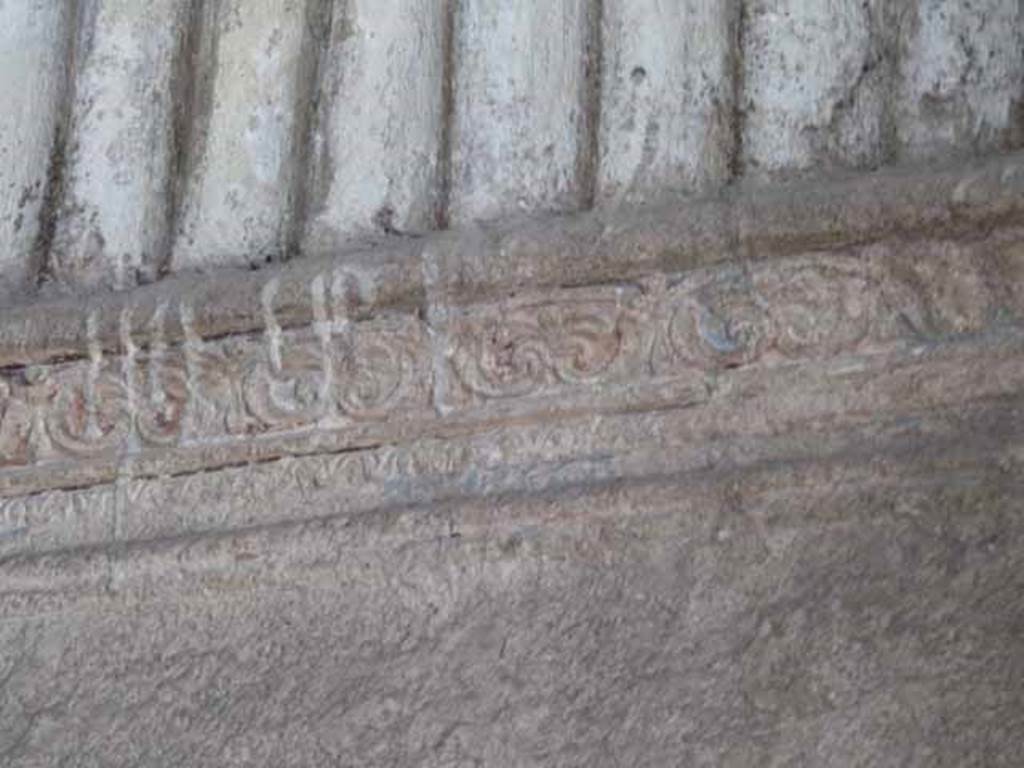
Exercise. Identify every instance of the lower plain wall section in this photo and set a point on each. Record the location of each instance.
(851, 612)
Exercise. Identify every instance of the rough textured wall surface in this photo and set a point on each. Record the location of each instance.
(474, 383)
(737, 483)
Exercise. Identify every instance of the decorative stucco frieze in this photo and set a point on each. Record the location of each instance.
(361, 476)
(749, 224)
(443, 335)
(392, 375)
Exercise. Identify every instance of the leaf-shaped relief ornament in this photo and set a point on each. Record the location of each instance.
(718, 322)
(218, 371)
(88, 415)
(503, 357)
(288, 389)
(817, 309)
(161, 398)
(585, 340)
(373, 377)
(15, 425)
(530, 348)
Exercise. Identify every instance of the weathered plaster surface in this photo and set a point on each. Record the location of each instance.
(667, 100)
(116, 170)
(243, 171)
(33, 38)
(802, 615)
(961, 79)
(191, 135)
(519, 113)
(812, 86)
(719, 466)
(777, 578)
(378, 140)
(476, 500)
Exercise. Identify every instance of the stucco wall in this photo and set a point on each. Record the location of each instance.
(153, 138)
(622, 382)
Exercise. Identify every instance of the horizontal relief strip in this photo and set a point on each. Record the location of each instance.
(453, 268)
(350, 381)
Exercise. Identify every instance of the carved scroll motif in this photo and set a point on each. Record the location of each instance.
(288, 392)
(816, 309)
(156, 382)
(152, 390)
(377, 372)
(88, 414)
(736, 317)
(164, 398)
(286, 384)
(335, 370)
(718, 321)
(539, 346)
(23, 406)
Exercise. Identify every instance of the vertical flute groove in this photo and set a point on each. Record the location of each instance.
(195, 65)
(738, 87)
(888, 26)
(588, 158)
(309, 111)
(41, 259)
(445, 144)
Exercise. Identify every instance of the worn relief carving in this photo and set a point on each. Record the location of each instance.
(160, 394)
(288, 382)
(742, 315)
(946, 293)
(717, 320)
(338, 373)
(22, 433)
(816, 309)
(521, 349)
(88, 414)
(216, 374)
(156, 382)
(336, 370)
